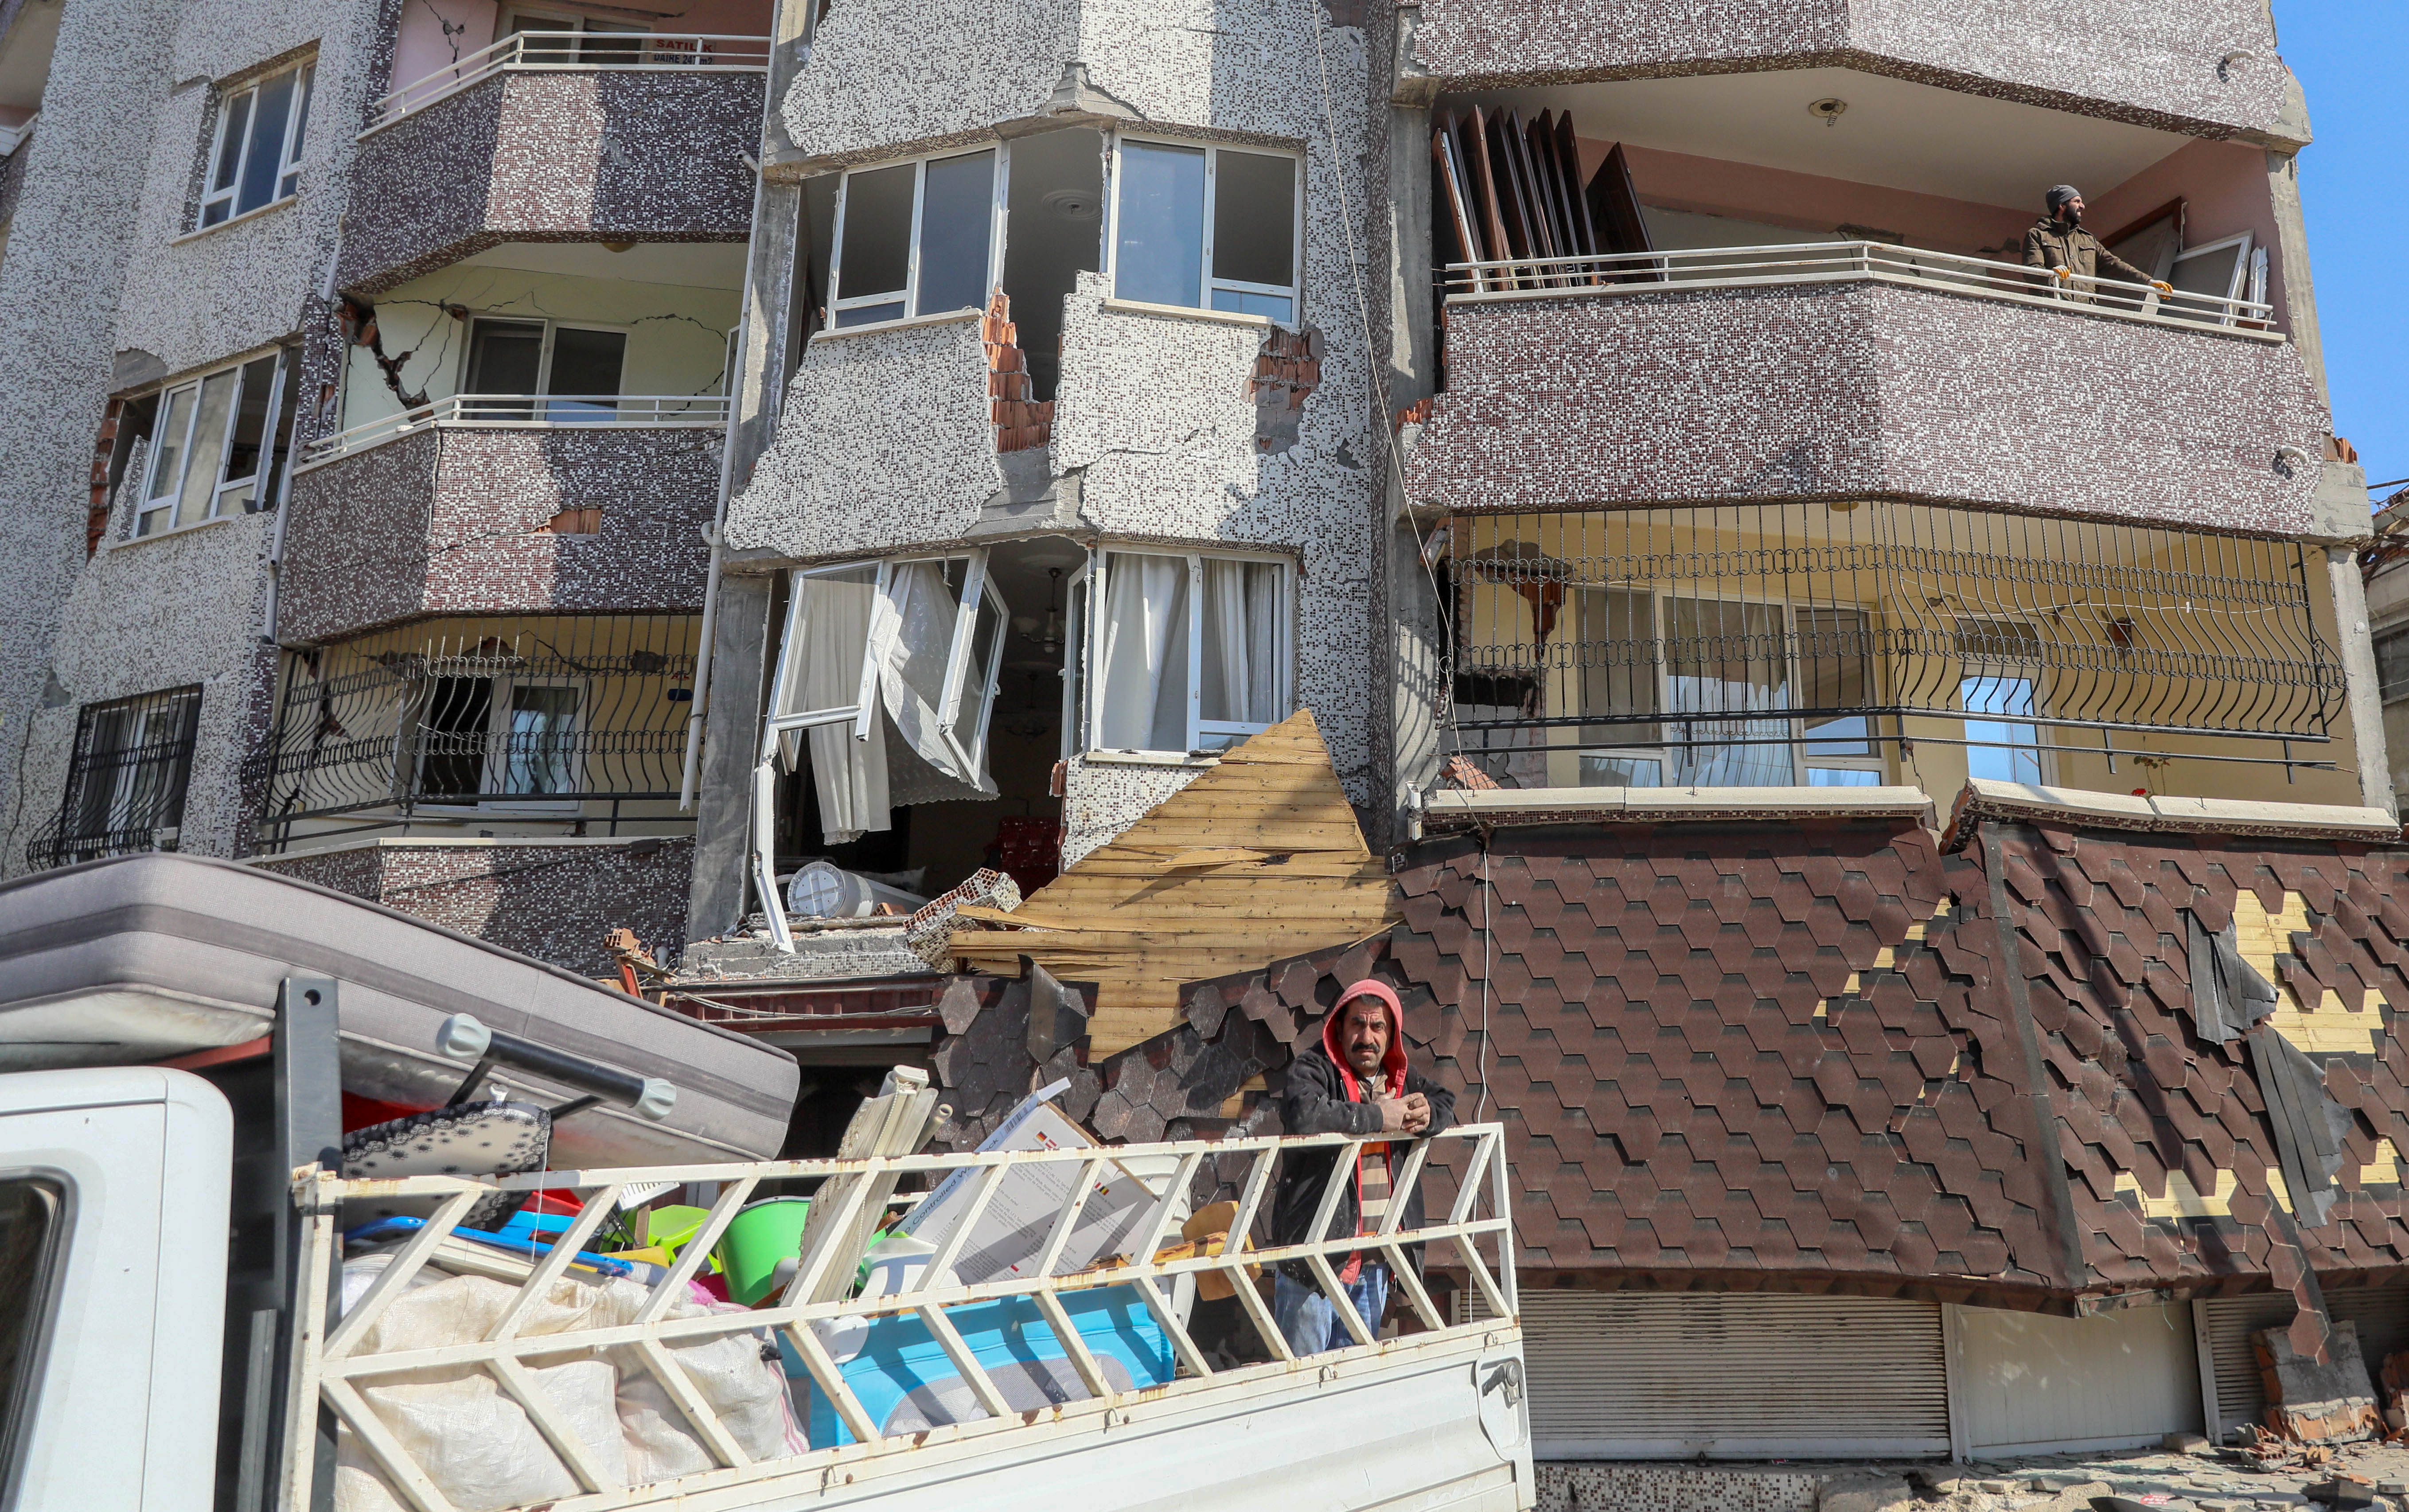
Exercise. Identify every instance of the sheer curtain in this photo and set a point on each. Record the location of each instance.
(1142, 690)
(1241, 659)
(823, 670)
(910, 646)
(1728, 658)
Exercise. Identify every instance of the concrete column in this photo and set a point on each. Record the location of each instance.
(2364, 691)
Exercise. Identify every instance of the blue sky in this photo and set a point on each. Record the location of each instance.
(2349, 56)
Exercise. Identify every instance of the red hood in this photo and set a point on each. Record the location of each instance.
(1393, 1063)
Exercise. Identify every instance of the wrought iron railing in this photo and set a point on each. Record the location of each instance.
(1762, 637)
(562, 721)
(1843, 262)
(555, 50)
(522, 412)
(126, 777)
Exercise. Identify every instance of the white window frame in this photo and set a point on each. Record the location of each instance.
(288, 158)
(539, 409)
(2249, 279)
(150, 503)
(1802, 761)
(910, 293)
(1207, 283)
(493, 765)
(1972, 667)
(1284, 653)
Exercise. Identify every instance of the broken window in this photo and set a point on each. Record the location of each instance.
(1205, 227)
(915, 238)
(575, 368)
(1191, 653)
(255, 159)
(218, 446)
(125, 783)
(888, 669)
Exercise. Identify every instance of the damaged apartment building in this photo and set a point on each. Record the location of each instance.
(1047, 536)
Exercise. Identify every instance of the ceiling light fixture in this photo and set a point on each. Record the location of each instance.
(1829, 110)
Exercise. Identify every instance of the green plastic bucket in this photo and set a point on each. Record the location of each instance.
(757, 1238)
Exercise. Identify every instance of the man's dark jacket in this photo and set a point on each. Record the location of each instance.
(1316, 1104)
(2053, 244)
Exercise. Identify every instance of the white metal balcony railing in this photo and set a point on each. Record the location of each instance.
(520, 411)
(561, 51)
(1102, 1248)
(1847, 262)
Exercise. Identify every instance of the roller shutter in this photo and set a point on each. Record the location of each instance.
(2381, 1313)
(1638, 1375)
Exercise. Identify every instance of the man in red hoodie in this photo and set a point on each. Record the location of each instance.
(1354, 1082)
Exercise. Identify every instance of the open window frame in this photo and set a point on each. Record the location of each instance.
(867, 310)
(1204, 737)
(167, 497)
(1209, 284)
(965, 708)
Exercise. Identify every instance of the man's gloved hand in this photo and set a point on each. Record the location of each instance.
(2063, 273)
(2162, 286)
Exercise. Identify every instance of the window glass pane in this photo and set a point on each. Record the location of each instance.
(452, 721)
(1843, 777)
(1242, 645)
(1142, 658)
(168, 453)
(504, 357)
(280, 448)
(1618, 674)
(612, 42)
(208, 447)
(1254, 219)
(1724, 657)
(238, 123)
(542, 49)
(541, 746)
(250, 423)
(969, 721)
(876, 257)
(300, 132)
(1159, 251)
(584, 363)
(30, 1242)
(2001, 750)
(957, 213)
(265, 157)
(870, 315)
(1833, 666)
(1277, 306)
(1621, 770)
(2392, 664)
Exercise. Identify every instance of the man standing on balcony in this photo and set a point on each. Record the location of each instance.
(1354, 1082)
(2060, 242)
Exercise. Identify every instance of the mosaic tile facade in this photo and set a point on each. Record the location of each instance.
(560, 155)
(455, 521)
(1865, 391)
(552, 901)
(2167, 69)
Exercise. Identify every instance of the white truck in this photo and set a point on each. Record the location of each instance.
(435, 1372)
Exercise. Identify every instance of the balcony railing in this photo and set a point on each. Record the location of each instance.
(1771, 645)
(560, 721)
(1847, 262)
(562, 50)
(521, 411)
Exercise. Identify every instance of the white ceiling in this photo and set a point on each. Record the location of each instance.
(1902, 135)
(691, 265)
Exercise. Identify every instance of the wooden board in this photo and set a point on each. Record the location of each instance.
(1259, 859)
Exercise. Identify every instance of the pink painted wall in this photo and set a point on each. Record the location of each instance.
(421, 47)
(1805, 202)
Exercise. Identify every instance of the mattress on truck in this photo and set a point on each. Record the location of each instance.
(142, 958)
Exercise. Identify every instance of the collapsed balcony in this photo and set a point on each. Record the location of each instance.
(1882, 644)
(592, 132)
(493, 726)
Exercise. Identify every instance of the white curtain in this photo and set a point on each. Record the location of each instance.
(823, 670)
(910, 644)
(1241, 660)
(1729, 658)
(1142, 684)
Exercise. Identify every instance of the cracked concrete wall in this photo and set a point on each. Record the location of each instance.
(1157, 434)
(106, 289)
(884, 441)
(452, 521)
(2154, 63)
(557, 156)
